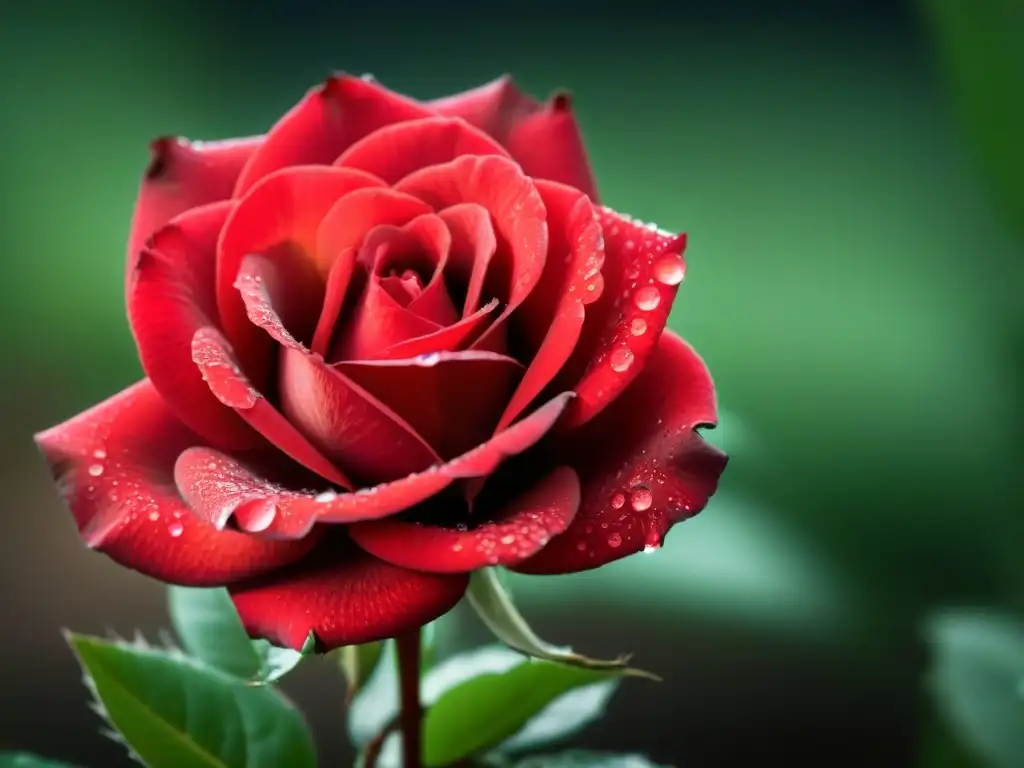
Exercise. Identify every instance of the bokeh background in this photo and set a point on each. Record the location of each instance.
(850, 176)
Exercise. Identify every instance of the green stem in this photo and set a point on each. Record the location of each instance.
(409, 691)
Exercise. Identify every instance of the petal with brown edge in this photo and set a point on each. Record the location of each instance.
(113, 465)
(215, 359)
(642, 270)
(344, 597)
(549, 323)
(347, 424)
(170, 296)
(397, 150)
(452, 399)
(511, 198)
(548, 145)
(212, 481)
(280, 214)
(183, 175)
(642, 466)
(506, 537)
(329, 119)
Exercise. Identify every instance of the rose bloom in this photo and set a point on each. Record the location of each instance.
(386, 344)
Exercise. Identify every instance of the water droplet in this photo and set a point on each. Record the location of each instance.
(96, 470)
(456, 547)
(649, 548)
(638, 327)
(618, 500)
(614, 540)
(641, 498)
(620, 359)
(176, 529)
(99, 453)
(581, 546)
(669, 269)
(154, 516)
(261, 516)
(652, 541)
(325, 497)
(508, 539)
(647, 298)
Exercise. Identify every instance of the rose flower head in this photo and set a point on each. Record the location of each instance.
(386, 344)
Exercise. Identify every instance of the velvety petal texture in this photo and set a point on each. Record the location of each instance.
(388, 343)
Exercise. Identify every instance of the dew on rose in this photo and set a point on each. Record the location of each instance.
(618, 500)
(621, 359)
(647, 298)
(641, 498)
(176, 529)
(96, 470)
(669, 269)
(614, 540)
(638, 326)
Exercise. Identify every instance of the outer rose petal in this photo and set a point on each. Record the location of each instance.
(642, 271)
(544, 140)
(641, 465)
(182, 175)
(113, 466)
(170, 296)
(345, 597)
(219, 487)
(551, 318)
(397, 150)
(325, 123)
(506, 538)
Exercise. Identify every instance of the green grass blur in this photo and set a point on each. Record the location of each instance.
(852, 283)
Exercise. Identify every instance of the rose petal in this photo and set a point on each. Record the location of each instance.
(642, 270)
(548, 145)
(330, 118)
(452, 399)
(347, 423)
(183, 175)
(395, 151)
(378, 323)
(473, 245)
(113, 467)
(456, 336)
(517, 531)
(548, 324)
(642, 466)
(338, 281)
(345, 597)
(349, 221)
(214, 482)
(170, 296)
(215, 359)
(277, 218)
(282, 294)
(513, 202)
(544, 139)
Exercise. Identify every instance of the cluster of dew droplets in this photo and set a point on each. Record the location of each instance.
(667, 270)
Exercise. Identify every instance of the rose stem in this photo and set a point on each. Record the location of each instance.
(409, 690)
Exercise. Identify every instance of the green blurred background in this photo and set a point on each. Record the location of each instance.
(854, 281)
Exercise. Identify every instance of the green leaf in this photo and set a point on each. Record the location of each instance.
(977, 671)
(578, 758)
(174, 712)
(358, 663)
(478, 700)
(494, 606)
(28, 760)
(376, 704)
(564, 717)
(209, 628)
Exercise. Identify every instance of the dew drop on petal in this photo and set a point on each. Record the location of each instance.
(621, 359)
(325, 497)
(618, 500)
(99, 453)
(614, 540)
(638, 326)
(647, 298)
(176, 529)
(581, 546)
(669, 269)
(96, 470)
(154, 516)
(641, 498)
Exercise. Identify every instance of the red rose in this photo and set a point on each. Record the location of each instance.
(386, 344)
